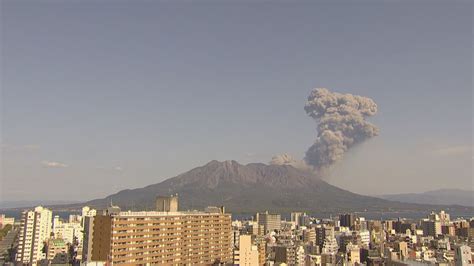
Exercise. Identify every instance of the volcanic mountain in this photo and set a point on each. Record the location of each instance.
(250, 188)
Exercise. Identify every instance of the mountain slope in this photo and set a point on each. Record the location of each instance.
(438, 197)
(250, 188)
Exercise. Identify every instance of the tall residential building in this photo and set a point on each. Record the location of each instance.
(364, 237)
(330, 245)
(269, 222)
(88, 227)
(431, 227)
(309, 236)
(87, 212)
(151, 237)
(300, 256)
(167, 204)
(247, 253)
(285, 254)
(262, 250)
(322, 231)
(35, 230)
(463, 256)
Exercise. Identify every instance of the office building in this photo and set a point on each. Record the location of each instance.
(269, 222)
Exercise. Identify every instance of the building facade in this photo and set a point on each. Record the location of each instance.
(269, 222)
(247, 253)
(167, 204)
(159, 238)
(35, 230)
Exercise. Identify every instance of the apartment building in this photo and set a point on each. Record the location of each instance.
(151, 237)
(35, 230)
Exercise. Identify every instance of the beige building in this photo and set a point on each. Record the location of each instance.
(57, 251)
(353, 254)
(159, 238)
(309, 236)
(4, 221)
(402, 248)
(247, 254)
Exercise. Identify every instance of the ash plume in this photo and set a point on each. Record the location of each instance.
(341, 124)
(286, 159)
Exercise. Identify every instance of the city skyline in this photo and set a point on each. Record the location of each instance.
(99, 97)
(168, 235)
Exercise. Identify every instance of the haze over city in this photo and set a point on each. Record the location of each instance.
(103, 96)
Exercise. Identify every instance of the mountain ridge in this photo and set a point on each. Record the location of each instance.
(462, 197)
(250, 188)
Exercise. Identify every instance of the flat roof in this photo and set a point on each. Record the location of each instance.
(156, 213)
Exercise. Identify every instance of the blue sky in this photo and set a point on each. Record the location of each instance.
(99, 96)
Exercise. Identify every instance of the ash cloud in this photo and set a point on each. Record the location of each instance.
(286, 159)
(341, 124)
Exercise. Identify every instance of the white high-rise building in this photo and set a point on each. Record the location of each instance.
(330, 245)
(300, 255)
(463, 256)
(34, 232)
(365, 238)
(67, 231)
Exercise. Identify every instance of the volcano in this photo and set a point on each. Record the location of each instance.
(251, 188)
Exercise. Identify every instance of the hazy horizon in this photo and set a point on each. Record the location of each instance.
(101, 96)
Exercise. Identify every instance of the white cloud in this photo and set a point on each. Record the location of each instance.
(53, 164)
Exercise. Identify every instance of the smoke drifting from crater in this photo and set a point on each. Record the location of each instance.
(286, 159)
(341, 124)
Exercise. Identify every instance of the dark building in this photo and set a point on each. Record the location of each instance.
(402, 226)
(347, 220)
